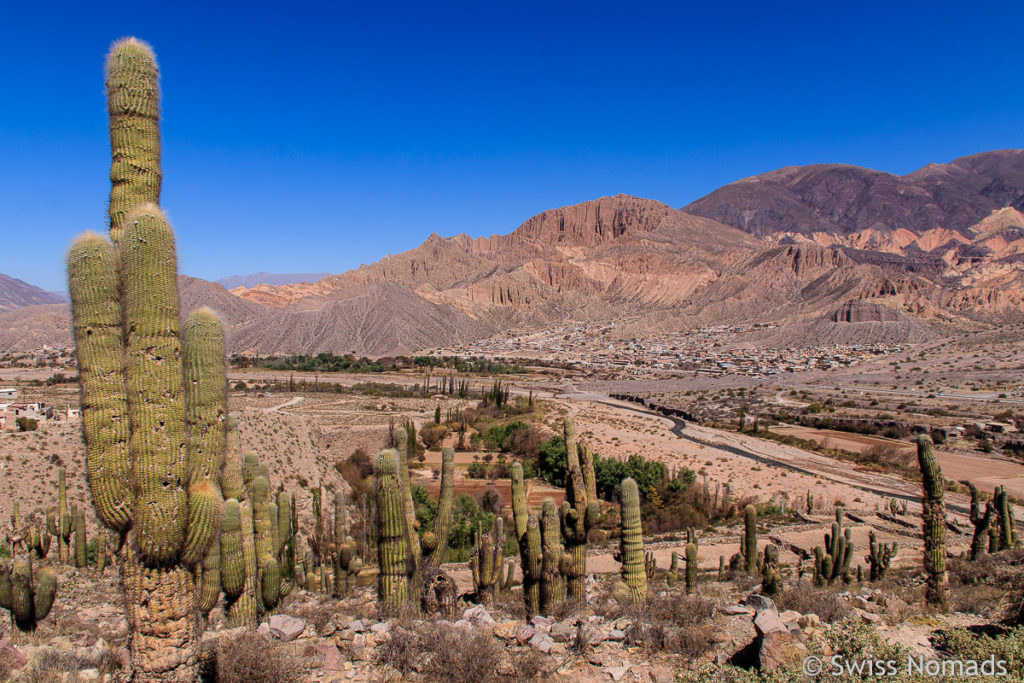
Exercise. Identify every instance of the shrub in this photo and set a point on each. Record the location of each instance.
(247, 658)
(807, 598)
(441, 651)
(433, 434)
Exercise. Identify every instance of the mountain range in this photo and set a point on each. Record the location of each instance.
(831, 253)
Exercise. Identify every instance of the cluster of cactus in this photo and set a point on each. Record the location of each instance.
(487, 564)
(553, 548)
(27, 594)
(933, 522)
(832, 561)
(403, 557)
(879, 557)
(982, 521)
(690, 557)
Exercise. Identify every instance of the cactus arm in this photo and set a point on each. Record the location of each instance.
(933, 518)
(393, 554)
(633, 572)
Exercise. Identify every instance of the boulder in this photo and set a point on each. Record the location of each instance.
(285, 628)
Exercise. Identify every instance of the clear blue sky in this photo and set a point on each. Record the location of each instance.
(307, 138)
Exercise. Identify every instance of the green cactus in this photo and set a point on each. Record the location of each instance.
(81, 543)
(578, 514)
(771, 575)
(63, 519)
(344, 559)
(210, 578)
(232, 563)
(933, 517)
(486, 563)
(98, 330)
(206, 409)
(245, 610)
(393, 556)
(632, 552)
(231, 483)
(250, 470)
(552, 579)
(527, 531)
(721, 567)
(435, 543)
(1004, 522)
(407, 446)
(133, 97)
(839, 547)
(981, 521)
(672, 578)
(879, 557)
(691, 568)
(748, 547)
(28, 595)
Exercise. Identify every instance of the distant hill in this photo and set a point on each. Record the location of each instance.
(828, 253)
(270, 279)
(842, 199)
(15, 293)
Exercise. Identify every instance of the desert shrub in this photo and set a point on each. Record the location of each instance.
(991, 585)
(889, 454)
(806, 598)
(441, 651)
(433, 434)
(54, 665)
(1005, 645)
(527, 664)
(247, 658)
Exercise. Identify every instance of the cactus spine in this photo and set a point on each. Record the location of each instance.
(933, 518)
(393, 556)
(633, 571)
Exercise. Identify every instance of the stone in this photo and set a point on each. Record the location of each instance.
(809, 620)
(733, 610)
(379, 627)
(286, 628)
(356, 625)
(542, 641)
(357, 648)
(870, 618)
(617, 672)
(542, 622)
(333, 660)
(780, 650)
(524, 633)
(84, 639)
(10, 656)
(662, 674)
(89, 675)
(768, 621)
(616, 635)
(478, 616)
(558, 649)
(721, 636)
(759, 602)
(622, 623)
(264, 630)
(790, 615)
(561, 632)
(506, 630)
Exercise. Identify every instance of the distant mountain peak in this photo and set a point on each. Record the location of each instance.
(254, 279)
(15, 293)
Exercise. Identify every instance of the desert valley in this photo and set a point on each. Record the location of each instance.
(778, 428)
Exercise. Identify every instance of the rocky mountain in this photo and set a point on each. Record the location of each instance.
(15, 293)
(841, 199)
(269, 279)
(828, 253)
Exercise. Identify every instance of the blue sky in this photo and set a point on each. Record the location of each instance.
(308, 137)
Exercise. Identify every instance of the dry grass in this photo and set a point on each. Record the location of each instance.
(442, 652)
(248, 658)
(806, 598)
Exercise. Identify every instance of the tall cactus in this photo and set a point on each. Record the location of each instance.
(344, 559)
(981, 522)
(838, 552)
(691, 568)
(527, 531)
(933, 518)
(578, 513)
(632, 551)
(748, 546)
(486, 562)
(553, 559)
(435, 542)
(28, 595)
(407, 448)
(139, 419)
(81, 543)
(1005, 524)
(771, 574)
(64, 522)
(393, 556)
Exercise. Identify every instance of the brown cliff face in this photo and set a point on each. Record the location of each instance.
(652, 268)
